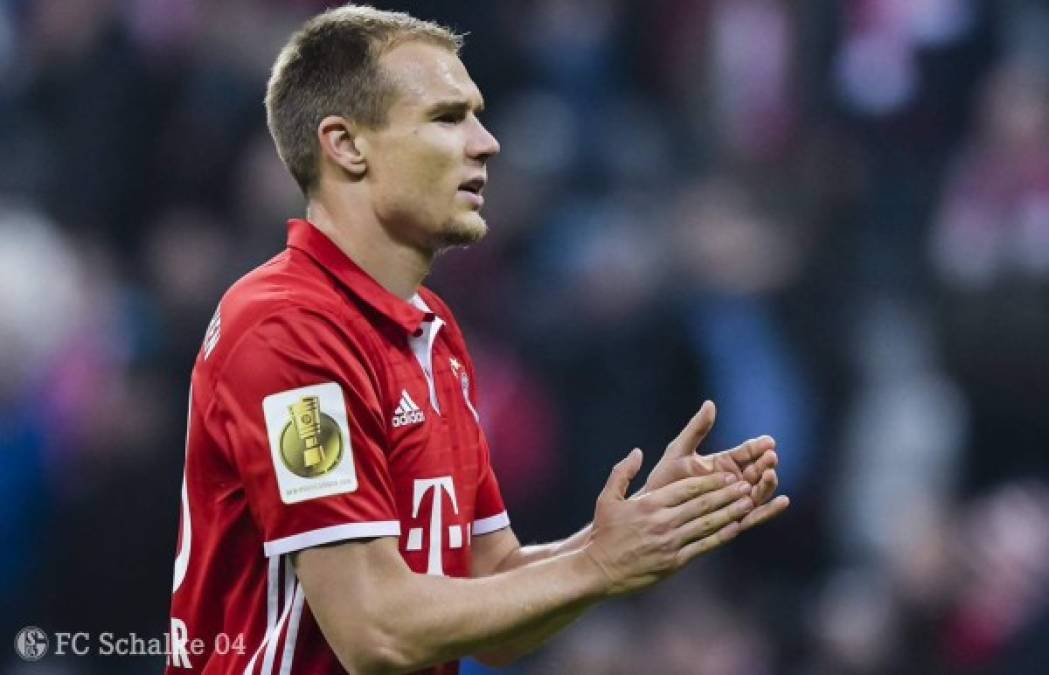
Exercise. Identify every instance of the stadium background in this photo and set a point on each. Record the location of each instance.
(832, 218)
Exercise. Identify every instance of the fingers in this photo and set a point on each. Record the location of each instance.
(709, 503)
(753, 471)
(707, 544)
(751, 450)
(712, 522)
(687, 490)
(694, 432)
(622, 474)
(766, 487)
(765, 513)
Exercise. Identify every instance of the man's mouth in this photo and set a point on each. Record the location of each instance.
(474, 185)
(472, 190)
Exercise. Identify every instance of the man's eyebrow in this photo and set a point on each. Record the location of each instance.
(455, 105)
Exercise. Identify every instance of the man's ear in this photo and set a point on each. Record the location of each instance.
(340, 143)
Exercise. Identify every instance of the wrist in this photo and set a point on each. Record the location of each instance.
(593, 580)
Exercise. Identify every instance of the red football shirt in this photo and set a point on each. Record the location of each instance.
(322, 409)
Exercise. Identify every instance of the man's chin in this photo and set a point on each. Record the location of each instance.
(463, 232)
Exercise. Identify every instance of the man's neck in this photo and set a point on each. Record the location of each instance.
(397, 267)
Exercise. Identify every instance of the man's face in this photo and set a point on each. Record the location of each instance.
(426, 166)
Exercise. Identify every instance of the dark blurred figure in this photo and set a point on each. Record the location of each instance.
(990, 251)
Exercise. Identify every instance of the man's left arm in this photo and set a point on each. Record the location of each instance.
(754, 460)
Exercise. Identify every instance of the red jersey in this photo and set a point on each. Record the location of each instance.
(322, 409)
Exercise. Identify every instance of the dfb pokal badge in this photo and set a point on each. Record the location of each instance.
(309, 436)
(311, 444)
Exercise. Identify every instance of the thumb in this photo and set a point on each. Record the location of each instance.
(622, 474)
(695, 431)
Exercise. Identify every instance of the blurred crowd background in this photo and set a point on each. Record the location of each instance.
(829, 216)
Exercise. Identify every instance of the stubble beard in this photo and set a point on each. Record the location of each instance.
(460, 234)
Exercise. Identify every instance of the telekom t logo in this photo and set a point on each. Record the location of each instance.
(436, 486)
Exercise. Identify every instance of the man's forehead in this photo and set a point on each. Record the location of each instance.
(426, 74)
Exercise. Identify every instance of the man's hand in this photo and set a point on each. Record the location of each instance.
(753, 461)
(636, 542)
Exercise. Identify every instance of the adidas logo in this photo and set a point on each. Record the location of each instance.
(407, 412)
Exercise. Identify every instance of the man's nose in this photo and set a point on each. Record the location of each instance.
(484, 144)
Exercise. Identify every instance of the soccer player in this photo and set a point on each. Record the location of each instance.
(339, 509)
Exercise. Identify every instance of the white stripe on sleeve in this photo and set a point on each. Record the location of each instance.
(491, 524)
(327, 535)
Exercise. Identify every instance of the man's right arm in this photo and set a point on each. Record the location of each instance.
(380, 617)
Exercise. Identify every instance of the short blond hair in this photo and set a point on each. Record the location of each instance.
(330, 66)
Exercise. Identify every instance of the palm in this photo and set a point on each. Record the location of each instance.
(753, 461)
(722, 461)
(677, 464)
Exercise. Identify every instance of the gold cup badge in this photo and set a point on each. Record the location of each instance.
(311, 442)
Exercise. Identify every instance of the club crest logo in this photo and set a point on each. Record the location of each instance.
(464, 383)
(32, 643)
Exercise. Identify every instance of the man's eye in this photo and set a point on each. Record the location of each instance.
(450, 118)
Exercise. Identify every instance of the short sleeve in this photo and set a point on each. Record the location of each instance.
(490, 511)
(298, 411)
